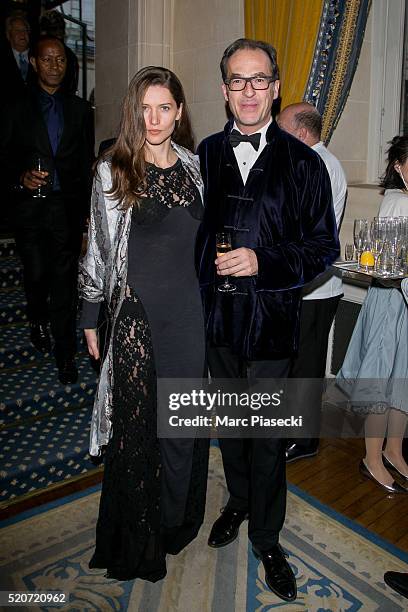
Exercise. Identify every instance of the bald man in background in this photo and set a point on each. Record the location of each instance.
(322, 296)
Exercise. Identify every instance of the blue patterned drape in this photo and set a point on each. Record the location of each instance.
(338, 46)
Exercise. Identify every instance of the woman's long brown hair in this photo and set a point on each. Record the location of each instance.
(128, 166)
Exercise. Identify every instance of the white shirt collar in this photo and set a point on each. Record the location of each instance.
(245, 154)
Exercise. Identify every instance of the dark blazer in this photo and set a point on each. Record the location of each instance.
(24, 137)
(13, 83)
(284, 213)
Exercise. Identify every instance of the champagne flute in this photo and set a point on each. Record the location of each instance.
(40, 167)
(377, 232)
(224, 245)
(394, 241)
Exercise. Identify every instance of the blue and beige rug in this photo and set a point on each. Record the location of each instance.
(44, 426)
(338, 565)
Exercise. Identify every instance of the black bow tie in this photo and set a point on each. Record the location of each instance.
(236, 137)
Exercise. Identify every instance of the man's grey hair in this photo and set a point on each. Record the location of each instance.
(311, 119)
(11, 19)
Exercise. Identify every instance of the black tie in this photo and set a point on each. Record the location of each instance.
(236, 137)
(53, 123)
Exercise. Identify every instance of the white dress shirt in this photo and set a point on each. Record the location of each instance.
(329, 284)
(394, 204)
(245, 153)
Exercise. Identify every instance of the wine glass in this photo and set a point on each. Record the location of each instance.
(40, 167)
(360, 237)
(224, 245)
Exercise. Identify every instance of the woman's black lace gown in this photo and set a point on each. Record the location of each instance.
(153, 493)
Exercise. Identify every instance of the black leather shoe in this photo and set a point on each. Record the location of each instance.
(226, 527)
(392, 488)
(67, 371)
(397, 581)
(278, 573)
(40, 337)
(390, 466)
(295, 452)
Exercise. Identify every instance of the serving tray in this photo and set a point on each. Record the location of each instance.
(350, 269)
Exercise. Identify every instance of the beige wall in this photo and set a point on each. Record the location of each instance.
(350, 143)
(129, 34)
(188, 36)
(350, 140)
(202, 30)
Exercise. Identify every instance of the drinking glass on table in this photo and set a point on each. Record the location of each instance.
(394, 242)
(349, 252)
(404, 245)
(360, 234)
(40, 167)
(377, 232)
(388, 256)
(224, 245)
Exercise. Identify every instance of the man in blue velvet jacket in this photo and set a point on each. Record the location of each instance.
(273, 194)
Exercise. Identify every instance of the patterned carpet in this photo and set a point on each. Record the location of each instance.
(339, 566)
(44, 426)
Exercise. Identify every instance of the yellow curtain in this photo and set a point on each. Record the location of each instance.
(291, 26)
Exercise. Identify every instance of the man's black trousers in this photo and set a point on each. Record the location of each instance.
(315, 322)
(48, 238)
(254, 469)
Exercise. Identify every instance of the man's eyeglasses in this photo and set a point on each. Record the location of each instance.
(257, 82)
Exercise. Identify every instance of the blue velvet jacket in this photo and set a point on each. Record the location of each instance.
(284, 213)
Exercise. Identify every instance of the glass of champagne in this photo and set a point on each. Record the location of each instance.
(40, 167)
(224, 245)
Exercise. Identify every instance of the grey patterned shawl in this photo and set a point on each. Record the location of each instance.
(104, 268)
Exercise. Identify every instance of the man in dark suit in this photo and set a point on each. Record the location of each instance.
(17, 71)
(57, 129)
(273, 194)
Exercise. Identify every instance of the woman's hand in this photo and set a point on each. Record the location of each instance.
(92, 342)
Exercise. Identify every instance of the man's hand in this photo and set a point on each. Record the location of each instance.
(32, 179)
(92, 342)
(239, 262)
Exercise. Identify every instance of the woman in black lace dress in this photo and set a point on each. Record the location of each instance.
(146, 208)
